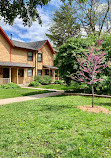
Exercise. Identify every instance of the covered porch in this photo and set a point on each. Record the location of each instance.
(49, 71)
(13, 72)
(15, 75)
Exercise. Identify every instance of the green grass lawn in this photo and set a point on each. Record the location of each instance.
(76, 88)
(57, 86)
(54, 128)
(53, 86)
(18, 92)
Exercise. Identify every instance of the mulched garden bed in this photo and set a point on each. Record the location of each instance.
(95, 109)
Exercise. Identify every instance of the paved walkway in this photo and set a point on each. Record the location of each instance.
(31, 97)
(43, 89)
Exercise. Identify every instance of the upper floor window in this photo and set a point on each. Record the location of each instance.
(39, 57)
(30, 56)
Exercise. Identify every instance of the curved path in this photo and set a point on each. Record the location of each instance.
(31, 97)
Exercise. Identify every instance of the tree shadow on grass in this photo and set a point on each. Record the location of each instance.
(103, 104)
(36, 92)
(58, 96)
(57, 105)
(56, 108)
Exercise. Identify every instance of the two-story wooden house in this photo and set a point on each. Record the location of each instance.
(20, 62)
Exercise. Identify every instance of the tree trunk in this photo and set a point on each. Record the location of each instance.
(92, 96)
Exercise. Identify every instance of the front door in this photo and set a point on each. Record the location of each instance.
(48, 72)
(5, 72)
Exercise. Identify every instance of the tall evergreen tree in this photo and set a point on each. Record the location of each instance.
(64, 25)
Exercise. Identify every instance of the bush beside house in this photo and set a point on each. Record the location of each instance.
(58, 82)
(34, 83)
(10, 86)
(38, 80)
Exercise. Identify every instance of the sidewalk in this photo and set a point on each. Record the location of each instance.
(22, 86)
(31, 97)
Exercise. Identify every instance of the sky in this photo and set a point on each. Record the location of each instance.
(36, 32)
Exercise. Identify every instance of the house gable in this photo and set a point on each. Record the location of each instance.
(48, 57)
(49, 45)
(6, 37)
(39, 44)
(4, 49)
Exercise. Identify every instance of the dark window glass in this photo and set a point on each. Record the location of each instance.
(30, 56)
(39, 57)
(39, 72)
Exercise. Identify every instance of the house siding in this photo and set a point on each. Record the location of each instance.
(48, 57)
(20, 55)
(4, 49)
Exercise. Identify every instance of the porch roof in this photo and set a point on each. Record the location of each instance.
(14, 64)
(50, 67)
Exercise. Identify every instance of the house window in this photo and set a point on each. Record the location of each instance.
(30, 72)
(39, 57)
(30, 56)
(39, 72)
(47, 72)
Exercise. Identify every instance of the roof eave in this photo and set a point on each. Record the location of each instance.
(6, 37)
(15, 64)
(51, 47)
(47, 42)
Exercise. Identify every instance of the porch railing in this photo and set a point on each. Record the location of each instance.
(4, 80)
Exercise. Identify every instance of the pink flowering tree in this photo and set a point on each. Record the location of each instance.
(91, 65)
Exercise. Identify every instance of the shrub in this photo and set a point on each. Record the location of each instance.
(58, 82)
(34, 83)
(44, 80)
(104, 86)
(10, 86)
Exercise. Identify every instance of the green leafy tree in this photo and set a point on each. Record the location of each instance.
(67, 54)
(24, 9)
(94, 16)
(91, 65)
(64, 25)
(106, 46)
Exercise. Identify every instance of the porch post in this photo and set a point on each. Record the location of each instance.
(33, 73)
(53, 75)
(10, 75)
(58, 75)
(25, 74)
(49, 71)
(17, 75)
